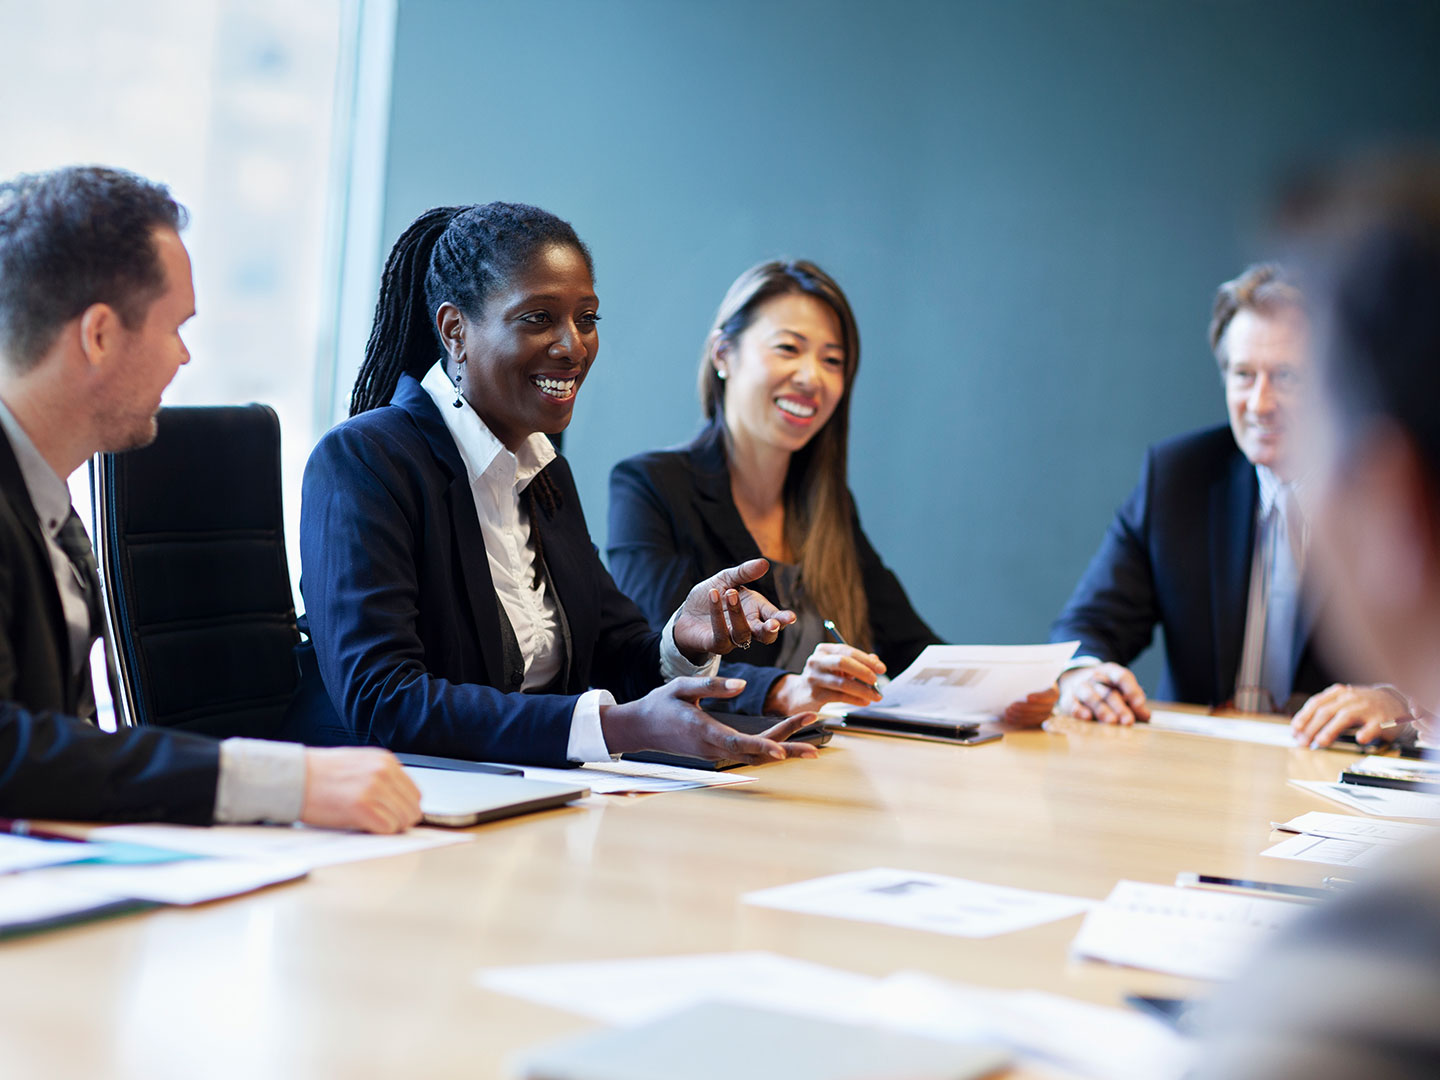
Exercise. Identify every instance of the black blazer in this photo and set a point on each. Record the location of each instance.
(52, 764)
(1178, 555)
(673, 522)
(405, 645)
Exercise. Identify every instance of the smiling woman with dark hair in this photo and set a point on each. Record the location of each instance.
(767, 477)
(456, 604)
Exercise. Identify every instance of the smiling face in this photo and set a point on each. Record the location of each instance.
(531, 347)
(147, 357)
(785, 374)
(1264, 375)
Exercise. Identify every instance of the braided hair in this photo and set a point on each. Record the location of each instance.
(454, 254)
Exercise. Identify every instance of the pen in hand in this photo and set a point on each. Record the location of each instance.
(839, 638)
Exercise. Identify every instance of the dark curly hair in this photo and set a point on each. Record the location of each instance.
(75, 237)
(455, 254)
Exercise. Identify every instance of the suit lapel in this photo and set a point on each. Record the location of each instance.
(716, 505)
(469, 541)
(1232, 542)
(12, 484)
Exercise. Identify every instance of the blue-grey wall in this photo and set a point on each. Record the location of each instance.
(1029, 202)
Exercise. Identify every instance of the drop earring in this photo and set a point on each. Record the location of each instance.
(457, 403)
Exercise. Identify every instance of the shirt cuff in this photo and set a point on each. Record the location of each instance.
(673, 663)
(260, 780)
(587, 739)
(1078, 662)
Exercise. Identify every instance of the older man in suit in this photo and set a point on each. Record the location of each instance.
(1353, 989)
(1212, 547)
(94, 288)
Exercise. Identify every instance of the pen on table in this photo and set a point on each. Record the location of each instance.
(834, 632)
(21, 827)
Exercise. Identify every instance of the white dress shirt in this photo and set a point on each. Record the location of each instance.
(259, 780)
(498, 479)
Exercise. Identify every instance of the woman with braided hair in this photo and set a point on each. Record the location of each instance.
(455, 603)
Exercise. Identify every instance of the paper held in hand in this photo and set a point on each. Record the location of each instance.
(973, 682)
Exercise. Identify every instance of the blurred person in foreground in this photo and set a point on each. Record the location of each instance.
(1353, 989)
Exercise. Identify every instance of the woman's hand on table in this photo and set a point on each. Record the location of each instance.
(669, 719)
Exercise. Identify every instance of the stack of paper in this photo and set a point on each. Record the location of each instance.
(627, 777)
(1382, 802)
(1190, 932)
(1089, 1040)
(1223, 727)
(297, 844)
(921, 901)
(1341, 840)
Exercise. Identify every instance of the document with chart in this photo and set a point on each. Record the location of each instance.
(955, 682)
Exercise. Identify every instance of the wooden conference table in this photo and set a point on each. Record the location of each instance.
(366, 969)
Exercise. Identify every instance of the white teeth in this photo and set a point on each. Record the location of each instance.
(794, 408)
(559, 388)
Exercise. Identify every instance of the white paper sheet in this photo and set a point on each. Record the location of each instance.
(27, 898)
(634, 991)
(26, 853)
(190, 881)
(628, 777)
(978, 681)
(1324, 849)
(1348, 827)
(299, 843)
(920, 901)
(1091, 1040)
(1190, 932)
(1223, 727)
(1382, 802)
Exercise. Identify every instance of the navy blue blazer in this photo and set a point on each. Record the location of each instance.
(673, 522)
(53, 764)
(405, 645)
(1177, 555)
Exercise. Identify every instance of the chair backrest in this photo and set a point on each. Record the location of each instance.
(192, 544)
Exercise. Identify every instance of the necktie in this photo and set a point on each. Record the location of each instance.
(76, 545)
(1283, 604)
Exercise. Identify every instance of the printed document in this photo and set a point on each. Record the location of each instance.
(26, 853)
(1085, 1039)
(1348, 827)
(628, 777)
(294, 843)
(958, 682)
(920, 901)
(1382, 802)
(1190, 932)
(1223, 727)
(1324, 849)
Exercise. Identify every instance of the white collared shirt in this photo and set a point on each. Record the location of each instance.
(259, 780)
(498, 479)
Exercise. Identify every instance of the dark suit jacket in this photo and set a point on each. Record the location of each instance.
(673, 522)
(1177, 555)
(53, 764)
(406, 648)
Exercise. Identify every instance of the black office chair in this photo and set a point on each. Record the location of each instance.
(191, 541)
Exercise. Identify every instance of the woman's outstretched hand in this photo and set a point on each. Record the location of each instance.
(720, 614)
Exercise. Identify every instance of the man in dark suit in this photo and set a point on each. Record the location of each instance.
(1211, 546)
(1352, 990)
(94, 287)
